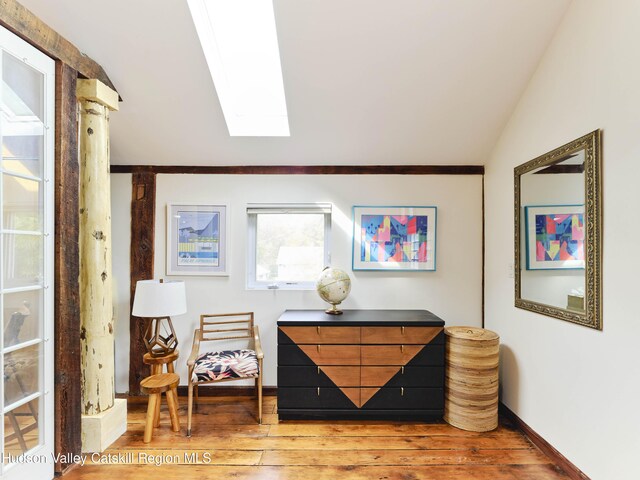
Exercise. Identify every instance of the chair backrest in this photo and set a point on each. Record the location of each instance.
(226, 326)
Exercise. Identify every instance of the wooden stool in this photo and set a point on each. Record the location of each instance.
(156, 364)
(155, 386)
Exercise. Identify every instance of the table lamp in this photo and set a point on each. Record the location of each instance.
(156, 301)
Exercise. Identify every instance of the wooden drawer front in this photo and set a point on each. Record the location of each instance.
(394, 376)
(402, 335)
(303, 397)
(399, 398)
(332, 354)
(319, 335)
(326, 376)
(383, 355)
(310, 355)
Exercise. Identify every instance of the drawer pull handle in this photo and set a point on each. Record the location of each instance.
(401, 391)
(402, 329)
(318, 391)
(318, 329)
(319, 370)
(401, 369)
(318, 348)
(402, 348)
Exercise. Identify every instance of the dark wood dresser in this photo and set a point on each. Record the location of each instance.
(386, 364)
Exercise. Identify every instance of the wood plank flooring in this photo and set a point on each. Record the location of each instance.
(227, 442)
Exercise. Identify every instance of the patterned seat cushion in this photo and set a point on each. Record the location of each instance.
(225, 364)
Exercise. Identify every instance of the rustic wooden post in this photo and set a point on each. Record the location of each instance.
(143, 210)
(101, 423)
(68, 394)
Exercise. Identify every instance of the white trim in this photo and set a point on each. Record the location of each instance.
(20, 346)
(30, 288)
(25, 176)
(21, 232)
(280, 208)
(21, 402)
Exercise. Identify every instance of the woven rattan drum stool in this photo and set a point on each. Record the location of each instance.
(471, 378)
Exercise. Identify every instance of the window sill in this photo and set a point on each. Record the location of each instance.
(283, 287)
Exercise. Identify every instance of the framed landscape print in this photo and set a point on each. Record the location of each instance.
(197, 239)
(555, 237)
(394, 238)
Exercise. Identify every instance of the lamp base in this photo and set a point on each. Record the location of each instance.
(158, 343)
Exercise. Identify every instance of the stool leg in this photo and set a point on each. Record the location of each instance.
(170, 369)
(156, 421)
(151, 415)
(173, 411)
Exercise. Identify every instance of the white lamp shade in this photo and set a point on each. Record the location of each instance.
(154, 299)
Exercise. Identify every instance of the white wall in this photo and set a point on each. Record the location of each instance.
(121, 243)
(453, 292)
(577, 387)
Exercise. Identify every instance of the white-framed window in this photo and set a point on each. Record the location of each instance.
(27, 122)
(288, 245)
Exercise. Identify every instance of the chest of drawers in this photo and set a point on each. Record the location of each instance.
(362, 364)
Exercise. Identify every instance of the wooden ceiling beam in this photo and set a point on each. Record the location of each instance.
(16, 18)
(303, 169)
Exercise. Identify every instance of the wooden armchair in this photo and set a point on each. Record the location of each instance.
(225, 365)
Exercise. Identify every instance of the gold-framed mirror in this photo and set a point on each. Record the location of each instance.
(558, 232)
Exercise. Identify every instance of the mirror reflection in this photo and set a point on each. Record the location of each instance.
(552, 233)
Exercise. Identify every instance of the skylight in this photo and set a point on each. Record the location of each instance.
(240, 45)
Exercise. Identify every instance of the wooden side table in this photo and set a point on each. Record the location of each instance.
(155, 386)
(156, 364)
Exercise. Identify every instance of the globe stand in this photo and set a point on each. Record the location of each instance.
(334, 310)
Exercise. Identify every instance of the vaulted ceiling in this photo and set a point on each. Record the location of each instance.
(366, 82)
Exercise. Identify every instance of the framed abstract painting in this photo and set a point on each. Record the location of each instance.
(555, 237)
(394, 238)
(197, 239)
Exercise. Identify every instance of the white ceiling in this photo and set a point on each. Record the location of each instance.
(367, 82)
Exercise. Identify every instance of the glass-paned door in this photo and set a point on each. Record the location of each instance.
(26, 259)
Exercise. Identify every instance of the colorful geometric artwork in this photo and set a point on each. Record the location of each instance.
(394, 238)
(559, 237)
(555, 237)
(197, 239)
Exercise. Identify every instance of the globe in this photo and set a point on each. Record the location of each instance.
(333, 286)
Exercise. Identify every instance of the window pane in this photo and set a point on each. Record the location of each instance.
(21, 374)
(22, 260)
(21, 430)
(289, 247)
(22, 203)
(21, 117)
(22, 313)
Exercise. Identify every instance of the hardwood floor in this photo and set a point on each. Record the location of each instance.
(227, 442)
